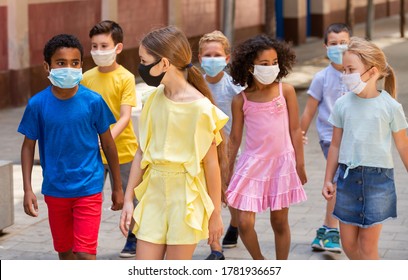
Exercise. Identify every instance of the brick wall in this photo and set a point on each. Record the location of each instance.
(72, 17)
(3, 39)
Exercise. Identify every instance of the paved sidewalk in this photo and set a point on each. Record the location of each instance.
(29, 238)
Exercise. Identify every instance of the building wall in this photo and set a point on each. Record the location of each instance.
(136, 19)
(4, 75)
(199, 17)
(249, 19)
(326, 12)
(3, 38)
(26, 25)
(139, 17)
(42, 27)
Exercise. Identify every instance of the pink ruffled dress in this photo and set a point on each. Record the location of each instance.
(265, 175)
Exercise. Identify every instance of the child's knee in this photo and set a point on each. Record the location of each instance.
(245, 223)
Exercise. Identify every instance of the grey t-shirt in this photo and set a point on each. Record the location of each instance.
(223, 93)
(326, 87)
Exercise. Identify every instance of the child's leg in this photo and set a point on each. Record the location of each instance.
(231, 236)
(150, 251)
(246, 225)
(87, 213)
(280, 226)
(216, 246)
(368, 239)
(234, 216)
(69, 255)
(180, 252)
(61, 225)
(349, 240)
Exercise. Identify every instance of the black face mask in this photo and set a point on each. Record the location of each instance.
(144, 72)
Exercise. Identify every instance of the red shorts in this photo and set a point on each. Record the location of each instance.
(75, 222)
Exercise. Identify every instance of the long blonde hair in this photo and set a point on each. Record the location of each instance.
(170, 42)
(372, 56)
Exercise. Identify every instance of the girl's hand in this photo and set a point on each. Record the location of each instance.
(328, 191)
(301, 173)
(215, 227)
(304, 138)
(126, 218)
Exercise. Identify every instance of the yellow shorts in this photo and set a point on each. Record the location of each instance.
(161, 211)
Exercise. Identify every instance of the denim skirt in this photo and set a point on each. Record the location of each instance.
(366, 196)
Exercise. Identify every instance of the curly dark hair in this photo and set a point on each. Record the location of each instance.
(61, 41)
(244, 55)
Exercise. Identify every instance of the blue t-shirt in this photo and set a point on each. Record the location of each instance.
(67, 133)
(368, 124)
(326, 87)
(223, 93)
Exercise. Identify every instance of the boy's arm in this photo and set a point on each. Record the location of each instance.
(109, 149)
(27, 159)
(213, 179)
(401, 143)
(124, 118)
(308, 113)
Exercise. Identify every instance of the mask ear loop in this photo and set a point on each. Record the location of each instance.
(366, 71)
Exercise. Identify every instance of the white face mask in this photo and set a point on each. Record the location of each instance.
(104, 58)
(266, 74)
(353, 82)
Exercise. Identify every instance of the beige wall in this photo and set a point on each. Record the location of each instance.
(249, 13)
(26, 25)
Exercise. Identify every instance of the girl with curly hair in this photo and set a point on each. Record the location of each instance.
(271, 171)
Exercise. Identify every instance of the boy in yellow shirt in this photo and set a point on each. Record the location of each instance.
(118, 88)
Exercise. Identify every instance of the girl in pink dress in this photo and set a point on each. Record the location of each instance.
(270, 172)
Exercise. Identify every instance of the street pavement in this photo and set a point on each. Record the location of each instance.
(30, 239)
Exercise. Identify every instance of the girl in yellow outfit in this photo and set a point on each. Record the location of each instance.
(175, 174)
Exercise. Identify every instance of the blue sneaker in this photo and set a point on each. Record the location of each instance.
(216, 256)
(331, 241)
(129, 250)
(316, 244)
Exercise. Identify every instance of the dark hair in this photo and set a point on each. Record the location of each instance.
(337, 28)
(61, 41)
(245, 54)
(108, 27)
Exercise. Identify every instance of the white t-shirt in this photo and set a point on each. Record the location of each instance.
(368, 124)
(326, 87)
(223, 93)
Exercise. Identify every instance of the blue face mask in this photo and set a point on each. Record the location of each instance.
(213, 65)
(65, 77)
(335, 53)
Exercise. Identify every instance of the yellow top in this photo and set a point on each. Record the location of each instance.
(117, 88)
(180, 133)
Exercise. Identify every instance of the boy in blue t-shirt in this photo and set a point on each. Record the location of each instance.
(325, 89)
(67, 119)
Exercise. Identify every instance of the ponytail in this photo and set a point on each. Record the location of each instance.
(390, 83)
(196, 79)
